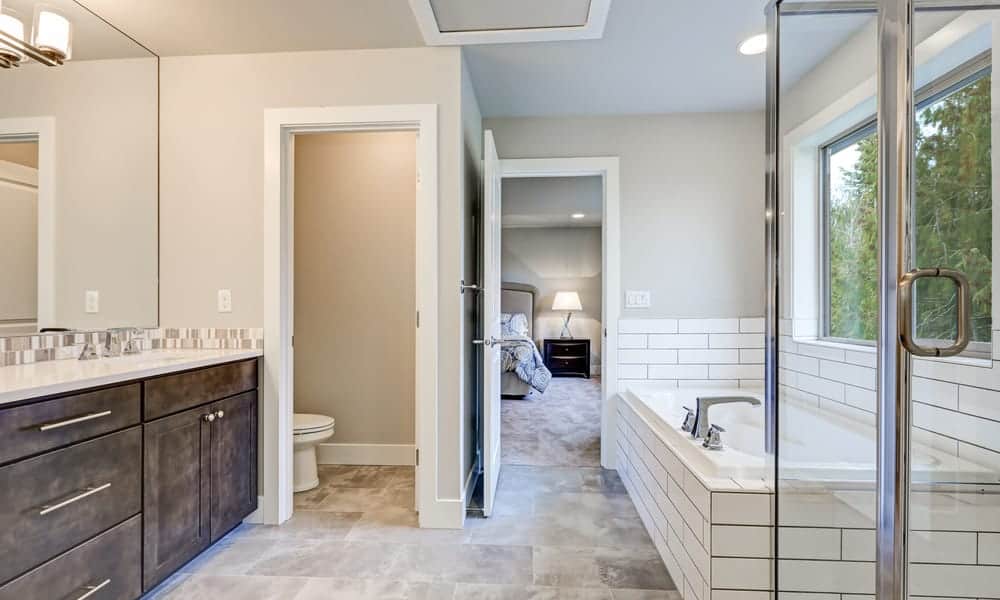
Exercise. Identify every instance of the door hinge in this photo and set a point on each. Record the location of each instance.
(418, 457)
(293, 341)
(418, 319)
(418, 177)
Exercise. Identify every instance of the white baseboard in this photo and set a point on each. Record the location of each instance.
(256, 516)
(366, 454)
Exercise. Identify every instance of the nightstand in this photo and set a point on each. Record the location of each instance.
(566, 357)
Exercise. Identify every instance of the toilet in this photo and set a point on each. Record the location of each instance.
(309, 431)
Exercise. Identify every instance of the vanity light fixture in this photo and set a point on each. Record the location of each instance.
(753, 45)
(13, 27)
(51, 41)
(577, 215)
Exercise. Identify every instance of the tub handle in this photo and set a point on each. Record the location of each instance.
(713, 441)
(690, 419)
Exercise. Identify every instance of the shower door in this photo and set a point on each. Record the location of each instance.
(883, 393)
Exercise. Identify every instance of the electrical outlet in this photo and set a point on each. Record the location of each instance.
(225, 301)
(638, 299)
(92, 302)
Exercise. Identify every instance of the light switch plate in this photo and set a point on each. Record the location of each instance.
(225, 301)
(92, 302)
(638, 299)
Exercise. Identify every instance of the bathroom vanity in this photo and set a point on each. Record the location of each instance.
(115, 473)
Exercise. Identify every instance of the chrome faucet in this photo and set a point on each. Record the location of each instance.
(702, 425)
(122, 340)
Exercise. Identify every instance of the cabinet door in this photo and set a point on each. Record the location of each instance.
(176, 492)
(234, 462)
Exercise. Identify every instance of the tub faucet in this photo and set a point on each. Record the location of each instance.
(701, 422)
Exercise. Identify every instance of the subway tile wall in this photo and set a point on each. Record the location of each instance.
(724, 352)
(63, 346)
(956, 401)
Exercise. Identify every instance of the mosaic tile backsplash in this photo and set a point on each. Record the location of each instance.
(62, 346)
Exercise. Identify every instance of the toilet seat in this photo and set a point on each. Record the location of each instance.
(305, 423)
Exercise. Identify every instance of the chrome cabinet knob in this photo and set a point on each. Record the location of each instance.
(220, 414)
(209, 417)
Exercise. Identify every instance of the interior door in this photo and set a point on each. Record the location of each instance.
(491, 322)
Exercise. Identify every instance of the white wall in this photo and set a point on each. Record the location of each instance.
(212, 184)
(553, 260)
(105, 115)
(692, 218)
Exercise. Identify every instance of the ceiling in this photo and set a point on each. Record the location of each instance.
(550, 201)
(656, 56)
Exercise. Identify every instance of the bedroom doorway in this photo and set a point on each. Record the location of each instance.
(504, 341)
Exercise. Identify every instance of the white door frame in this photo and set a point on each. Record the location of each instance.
(44, 130)
(277, 405)
(607, 169)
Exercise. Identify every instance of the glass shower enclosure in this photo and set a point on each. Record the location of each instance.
(883, 395)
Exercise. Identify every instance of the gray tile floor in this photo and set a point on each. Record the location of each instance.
(558, 533)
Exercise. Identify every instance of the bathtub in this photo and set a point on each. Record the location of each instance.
(814, 445)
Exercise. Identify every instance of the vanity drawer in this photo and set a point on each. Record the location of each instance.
(110, 561)
(34, 428)
(173, 393)
(50, 503)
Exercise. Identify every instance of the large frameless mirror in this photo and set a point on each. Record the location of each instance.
(78, 172)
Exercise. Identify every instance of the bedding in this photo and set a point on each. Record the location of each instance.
(522, 358)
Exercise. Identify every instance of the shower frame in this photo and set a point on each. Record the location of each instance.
(895, 117)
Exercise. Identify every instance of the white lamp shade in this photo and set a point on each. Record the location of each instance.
(567, 301)
(53, 32)
(14, 27)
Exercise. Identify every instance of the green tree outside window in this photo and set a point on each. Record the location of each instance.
(953, 219)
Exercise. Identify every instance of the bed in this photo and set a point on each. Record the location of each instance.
(523, 369)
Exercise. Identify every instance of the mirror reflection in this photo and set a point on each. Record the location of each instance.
(78, 172)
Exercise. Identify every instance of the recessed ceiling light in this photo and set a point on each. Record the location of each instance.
(578, 215)
(754, 45)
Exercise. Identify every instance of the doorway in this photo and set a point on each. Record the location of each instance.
(419, 122)
(495, 172)
(354, 310)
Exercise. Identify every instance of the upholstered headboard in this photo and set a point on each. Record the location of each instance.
(519, 298)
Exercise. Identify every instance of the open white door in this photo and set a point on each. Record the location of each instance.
(491, 322)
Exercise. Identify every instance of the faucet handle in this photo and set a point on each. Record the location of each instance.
(690, 419)
(713, 441)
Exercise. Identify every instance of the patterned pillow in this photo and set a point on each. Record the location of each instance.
(513, 325)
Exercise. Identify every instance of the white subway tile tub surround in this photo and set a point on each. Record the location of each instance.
(724, 352)
(714, 535)
(956, 401)
(30, 349)
(827, 533)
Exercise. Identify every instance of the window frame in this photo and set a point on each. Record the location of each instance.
(959, 78)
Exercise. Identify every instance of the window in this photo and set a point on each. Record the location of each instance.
(952, 214)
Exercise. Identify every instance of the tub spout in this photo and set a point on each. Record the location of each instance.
(701, 421)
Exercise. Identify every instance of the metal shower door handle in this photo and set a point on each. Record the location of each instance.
(963, 312)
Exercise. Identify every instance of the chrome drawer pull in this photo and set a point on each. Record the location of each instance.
(93, 589)
(74, 421)
(87, 492)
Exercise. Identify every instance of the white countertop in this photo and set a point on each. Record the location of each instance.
(21, 382)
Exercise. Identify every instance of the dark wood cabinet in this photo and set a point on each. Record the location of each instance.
(234, 462)
(108, 491)
(567, 357)
(177, 492)
(200, 481)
